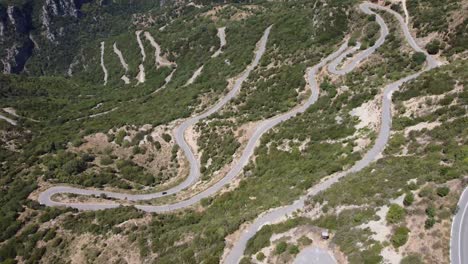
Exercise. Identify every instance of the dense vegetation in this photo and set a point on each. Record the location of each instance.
(55, 114)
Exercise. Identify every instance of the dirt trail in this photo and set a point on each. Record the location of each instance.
(122, 62)
(9, 120)
(141, 76)
(140, 44)
(159, 60)
(194, 174)
(222, 40)
(103, 66)
(195, 75)
(121, 58)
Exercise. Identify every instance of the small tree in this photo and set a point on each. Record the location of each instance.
(412, 258)
(305, 241)
(120, 136)
(429, 223)
(430, 211)
(166, 137)
(400, 236)
(433, 47)
(293, 250)
(419, 58)
(443, 191)
(281, 247)
(395, 214)
(260, 256)
(409, 199)
(157, 145)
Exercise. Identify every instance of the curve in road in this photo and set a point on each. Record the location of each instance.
(194, 174)
(459, 232)
(275, 215)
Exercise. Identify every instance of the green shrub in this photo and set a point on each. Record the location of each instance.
(400, 236)
(412, 258)
(126, 144)
(106, 160)
(260, 256)
(110, 137)
(430, 211)
(157, 145)
(136, 150)
(293, 250)
(433, 46)
(426, 192)
(443, 191)
(395, 214)
(120, 136)
(77, 142)
(74, 166)
(409, 199)
(281, 247)
(419, 58)
(429, 223)
(166, 137)
(305, 241)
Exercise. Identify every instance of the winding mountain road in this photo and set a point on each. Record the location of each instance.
(194, 174)
(276, 215)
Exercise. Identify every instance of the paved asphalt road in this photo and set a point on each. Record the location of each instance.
(278, 214)
(313, 255)
(459, 235)
(194, 175)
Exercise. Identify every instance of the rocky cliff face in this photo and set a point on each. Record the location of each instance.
(58, 8)
(43, 37)
(15, 24)
(17, 27)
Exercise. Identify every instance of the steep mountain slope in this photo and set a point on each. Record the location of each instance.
(105, 102)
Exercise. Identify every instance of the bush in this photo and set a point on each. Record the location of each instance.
(433, 47)
(77, 142)
(110, 137)
(166, 137)
(395, 214)
(429, 223)
(412, 258)
(293, 250)
(443, 191)
(409, 199)
(419, 58)
(120, 136)
(157, 145)
(305, 241)
(400, 236)
(430, 211)
(426, 192)
(260, 256)
(74, 166)
(281, 247)
(106, 160)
